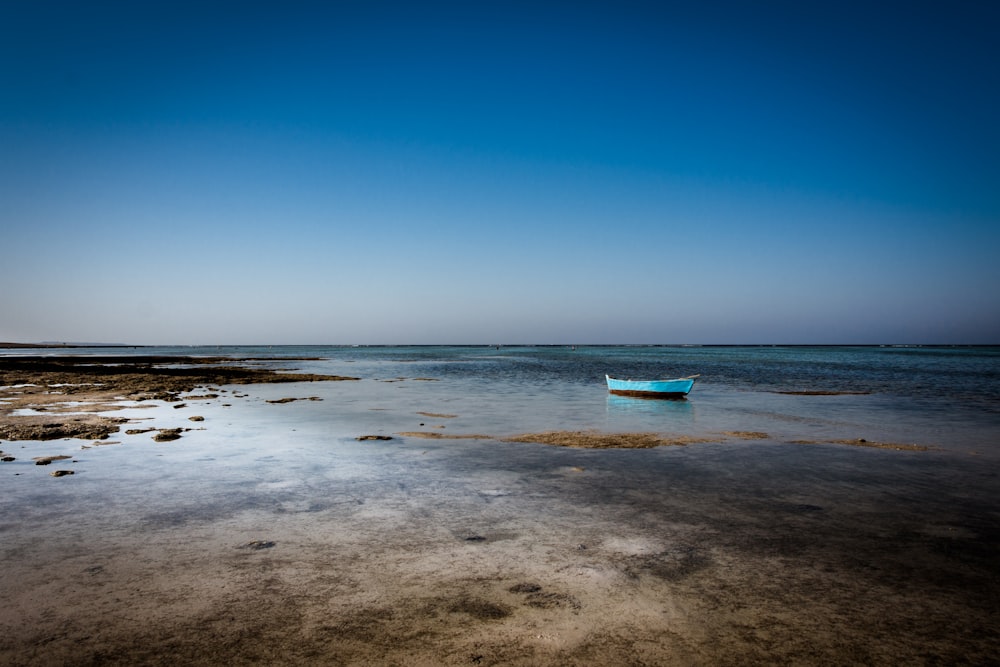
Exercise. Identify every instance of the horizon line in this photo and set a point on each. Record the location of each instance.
(70, 345)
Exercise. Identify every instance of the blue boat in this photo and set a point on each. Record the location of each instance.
(678, 388)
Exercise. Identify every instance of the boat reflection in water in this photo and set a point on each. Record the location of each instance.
(630, 405)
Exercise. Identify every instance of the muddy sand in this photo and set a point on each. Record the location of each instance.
(539, 549)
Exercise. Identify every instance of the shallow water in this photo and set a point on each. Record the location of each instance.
(507, 391)
(719, 552)
(946, 397)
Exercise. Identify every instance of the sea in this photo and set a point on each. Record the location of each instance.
(778, 500)
(945, 398)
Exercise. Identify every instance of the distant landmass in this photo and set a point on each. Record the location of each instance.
(50, 343)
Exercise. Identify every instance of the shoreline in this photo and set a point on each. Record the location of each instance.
(103, 383)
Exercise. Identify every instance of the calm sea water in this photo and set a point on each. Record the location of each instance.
(838, 527)
(791, 521)
(943, 397)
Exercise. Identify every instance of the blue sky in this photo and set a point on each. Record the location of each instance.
(513, 172)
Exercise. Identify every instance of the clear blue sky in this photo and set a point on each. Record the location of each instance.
(480, 172)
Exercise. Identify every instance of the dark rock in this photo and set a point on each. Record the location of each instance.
(45, 460)
(168, 434)
(483, 610)
(91, 427)
(525, 588)
(257, 545)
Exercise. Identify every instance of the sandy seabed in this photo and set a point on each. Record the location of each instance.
(478, 551)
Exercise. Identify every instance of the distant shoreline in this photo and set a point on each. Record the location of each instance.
(68, 346)
(32, 346)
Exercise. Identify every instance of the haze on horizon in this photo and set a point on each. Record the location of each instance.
(466, 172)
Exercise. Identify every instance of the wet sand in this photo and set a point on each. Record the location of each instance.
(490, 550)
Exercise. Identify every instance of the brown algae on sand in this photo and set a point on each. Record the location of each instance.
(600, 440)
(47, 427)
(68, 385)
(434, 435)
(578, 439)
(861, 442)
(643, 440)
(747, 435)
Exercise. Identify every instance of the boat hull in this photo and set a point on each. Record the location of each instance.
(678, 388)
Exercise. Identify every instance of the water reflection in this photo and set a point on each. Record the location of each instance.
(630, 406)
